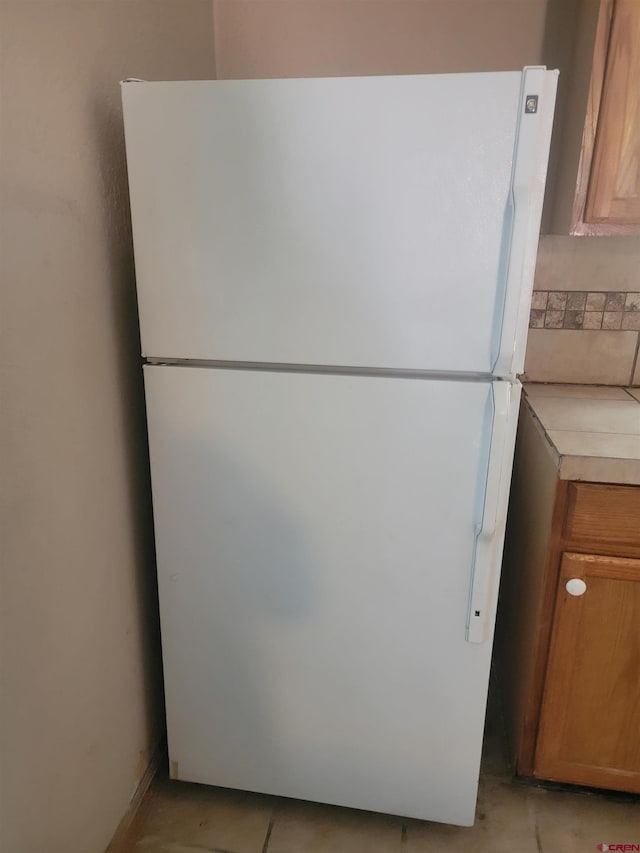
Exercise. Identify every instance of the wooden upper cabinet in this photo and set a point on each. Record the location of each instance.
(589, 730)
(596, 185)
(613, 192)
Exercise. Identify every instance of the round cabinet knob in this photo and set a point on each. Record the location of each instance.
(576, 586)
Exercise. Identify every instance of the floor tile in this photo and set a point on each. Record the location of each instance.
(201, 817)
(573, 822)
(505, 823)
(635, 392)
(513, 816)
(312, 828)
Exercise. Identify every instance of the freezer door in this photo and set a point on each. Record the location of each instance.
(315, 539)
(363, 222)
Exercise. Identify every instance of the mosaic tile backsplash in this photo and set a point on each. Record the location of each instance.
(581, 309)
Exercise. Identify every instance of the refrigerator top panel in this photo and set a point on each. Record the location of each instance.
(365, 221)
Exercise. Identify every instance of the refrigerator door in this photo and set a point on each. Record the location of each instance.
(365, 222)
(315, 539)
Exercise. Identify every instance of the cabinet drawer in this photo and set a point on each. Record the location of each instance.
(603, 514)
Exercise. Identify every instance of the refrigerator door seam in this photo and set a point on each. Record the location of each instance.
(347, 370)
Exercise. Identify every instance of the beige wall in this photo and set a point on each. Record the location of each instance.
(80, 690)
(290, 38)
(271, 38)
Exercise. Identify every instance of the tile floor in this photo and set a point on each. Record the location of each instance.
(512, 817)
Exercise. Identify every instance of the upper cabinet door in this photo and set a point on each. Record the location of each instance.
(341, 221)
(614, 187)
(598, 177)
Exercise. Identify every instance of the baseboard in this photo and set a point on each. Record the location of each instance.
(123, 839)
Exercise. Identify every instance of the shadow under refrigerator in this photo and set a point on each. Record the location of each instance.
(334, 279)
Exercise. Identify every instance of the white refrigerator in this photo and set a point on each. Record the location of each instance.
(334, 278)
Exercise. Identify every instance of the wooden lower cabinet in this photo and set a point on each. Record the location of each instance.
(589, 731)
(569, 664)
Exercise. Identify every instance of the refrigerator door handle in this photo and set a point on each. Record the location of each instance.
(487, 555)
(524, 210)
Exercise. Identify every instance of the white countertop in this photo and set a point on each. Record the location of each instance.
(593, 431)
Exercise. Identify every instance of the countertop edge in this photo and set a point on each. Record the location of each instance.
(580, 467)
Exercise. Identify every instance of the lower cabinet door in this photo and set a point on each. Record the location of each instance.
(589, 730)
